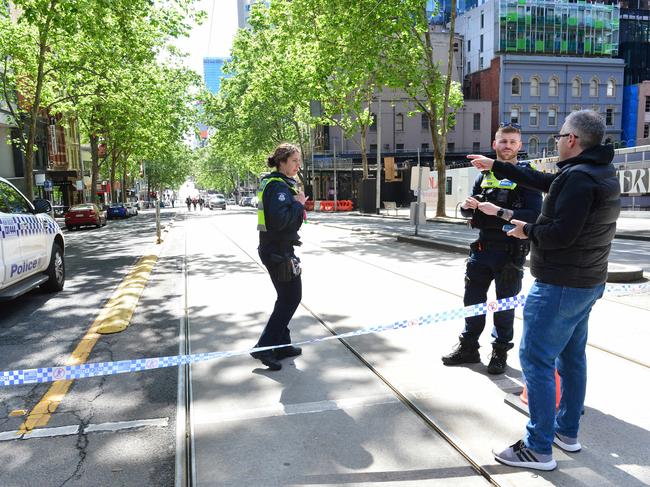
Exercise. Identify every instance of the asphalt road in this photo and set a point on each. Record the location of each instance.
(42, 329)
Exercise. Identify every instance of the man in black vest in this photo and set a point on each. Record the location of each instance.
(495, 256)
(571, 241)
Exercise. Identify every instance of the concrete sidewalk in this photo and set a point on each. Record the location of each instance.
(631, 225)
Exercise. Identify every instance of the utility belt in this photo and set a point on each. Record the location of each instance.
(515, 249)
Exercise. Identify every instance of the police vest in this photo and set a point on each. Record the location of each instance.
(500, 192)
(261, 218)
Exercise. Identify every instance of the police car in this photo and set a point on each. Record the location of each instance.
(31, 245)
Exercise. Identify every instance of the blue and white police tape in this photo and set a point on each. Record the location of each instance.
(99, 369)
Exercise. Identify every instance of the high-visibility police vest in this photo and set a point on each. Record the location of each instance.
(261, 218)
(490, 181)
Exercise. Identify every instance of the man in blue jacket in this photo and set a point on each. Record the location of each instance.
(495, 256)
(571, 241)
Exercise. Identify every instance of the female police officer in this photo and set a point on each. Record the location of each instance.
(279, 216)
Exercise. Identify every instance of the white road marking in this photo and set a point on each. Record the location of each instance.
(91, 428)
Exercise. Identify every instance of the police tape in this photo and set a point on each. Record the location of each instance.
(100, 369)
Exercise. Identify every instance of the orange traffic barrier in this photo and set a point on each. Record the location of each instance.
(558, 393)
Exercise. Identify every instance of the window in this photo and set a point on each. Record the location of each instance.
(469, 45)
(609, 117)
(424, 120)
(593, 87)
(451, 147)
(552, 87)
(373, 125)
(533, 146)
(11, 201)
(533, 117)
(373, 147)
(646, 130)
(425, 147)
(449, 185)
(611, 87)
(552, 117)
(481, 44)
(477, 121)
(534, 86)
(469, 67)
(482, 20)
(516, 86)
(576, 87)
(480, 62)
(514, 115)
(399, 122)
(647, 104)
(399, 147)
(476, 147)
(550, 145)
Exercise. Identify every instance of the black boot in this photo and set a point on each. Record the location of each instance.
(498, 358)
(286, 352)
(267, 357)
(464, 353)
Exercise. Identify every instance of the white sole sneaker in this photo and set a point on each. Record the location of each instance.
(568, 447)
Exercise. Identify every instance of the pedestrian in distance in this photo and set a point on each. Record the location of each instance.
(495, 256)
(188, 202)
(194, 203)
(571, 241)
(279, 217)
(201, 203)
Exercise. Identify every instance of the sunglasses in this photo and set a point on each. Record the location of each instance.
(510, 124)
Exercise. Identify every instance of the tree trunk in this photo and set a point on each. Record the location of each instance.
(36, 105)
(124, 181)
(364, 156)
(112, 178)
(94, 155)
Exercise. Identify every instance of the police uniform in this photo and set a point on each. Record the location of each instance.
(494, 257)
(279, 219)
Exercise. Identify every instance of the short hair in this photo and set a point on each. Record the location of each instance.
(506, 130)
(588, 126)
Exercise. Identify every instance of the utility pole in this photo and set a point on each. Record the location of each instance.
(417, 205)
(335, 195)
(378, 200)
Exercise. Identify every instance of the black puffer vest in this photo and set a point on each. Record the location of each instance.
(584, 262)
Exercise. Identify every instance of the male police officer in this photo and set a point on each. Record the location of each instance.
(495, 256)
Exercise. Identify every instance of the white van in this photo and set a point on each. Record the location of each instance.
(31, 245)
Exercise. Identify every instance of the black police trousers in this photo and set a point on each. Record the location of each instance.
(289, 295)
(483, 267)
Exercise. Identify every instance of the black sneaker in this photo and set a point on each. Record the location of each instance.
(462, 354)
(267, 357)
(498, 359)
(286, 352)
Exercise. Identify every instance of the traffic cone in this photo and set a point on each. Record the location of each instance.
(524, 395)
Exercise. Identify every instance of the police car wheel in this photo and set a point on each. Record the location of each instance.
(55, 271)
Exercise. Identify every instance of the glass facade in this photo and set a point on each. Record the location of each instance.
(213, 72)
(635, 45)
(558, 28)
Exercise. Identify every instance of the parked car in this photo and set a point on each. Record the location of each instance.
(31, 245)
(253, 201)
(231, 201)
(217, 201)
(60, 210)
(245, 201)
(131, 209)
(85, 214)
(117, 210)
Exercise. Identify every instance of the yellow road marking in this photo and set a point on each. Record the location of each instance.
(113, 317)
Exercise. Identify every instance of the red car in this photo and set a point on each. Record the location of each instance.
(84, 214)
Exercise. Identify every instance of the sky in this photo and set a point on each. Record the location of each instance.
(222, 22)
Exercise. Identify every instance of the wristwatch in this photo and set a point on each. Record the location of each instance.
(500, 212)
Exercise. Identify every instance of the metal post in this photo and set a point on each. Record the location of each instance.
(419, 202)
(157, 202)
(378, 200)
(335, 195)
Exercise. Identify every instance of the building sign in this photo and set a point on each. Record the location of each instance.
(634, 181)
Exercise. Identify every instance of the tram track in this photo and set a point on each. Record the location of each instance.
(401, 396)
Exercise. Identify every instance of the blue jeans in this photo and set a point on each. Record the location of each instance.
(555, 336)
